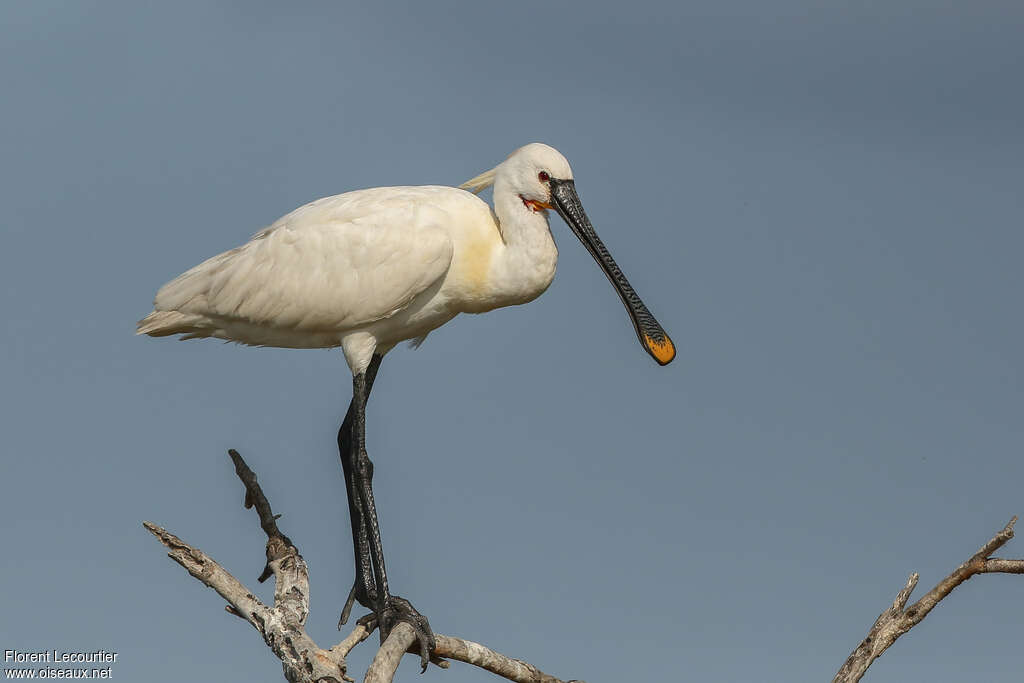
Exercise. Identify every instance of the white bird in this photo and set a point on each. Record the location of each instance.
(368, 269)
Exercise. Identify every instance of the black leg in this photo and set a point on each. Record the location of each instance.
(388, 609)
(363, 476)
(363, 587)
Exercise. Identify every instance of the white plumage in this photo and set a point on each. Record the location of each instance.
(368, 269)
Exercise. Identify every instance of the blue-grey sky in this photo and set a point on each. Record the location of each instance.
(822, 202)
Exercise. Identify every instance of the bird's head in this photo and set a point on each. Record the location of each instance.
(541, 178)
(528, 173)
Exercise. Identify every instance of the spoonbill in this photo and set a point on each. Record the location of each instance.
(368, 269)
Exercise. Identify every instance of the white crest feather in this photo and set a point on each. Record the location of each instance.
(480, 183)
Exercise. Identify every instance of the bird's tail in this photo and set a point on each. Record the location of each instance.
(166, 323)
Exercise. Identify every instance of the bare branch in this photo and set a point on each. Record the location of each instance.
(995, 565)
(385, 662)
(898, 619)
(358, 635)
(277, 542)
(279, 626)
(241, 601)
(283, 625)
(476, 654)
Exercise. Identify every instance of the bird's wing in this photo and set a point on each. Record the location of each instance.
(335, 264)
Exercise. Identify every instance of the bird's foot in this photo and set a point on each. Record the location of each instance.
(397, 609)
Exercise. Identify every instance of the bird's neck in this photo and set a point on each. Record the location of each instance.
(526, 264)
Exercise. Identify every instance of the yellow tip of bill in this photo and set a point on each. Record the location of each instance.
(663, 350)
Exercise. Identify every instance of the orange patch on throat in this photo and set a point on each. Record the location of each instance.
(534, 205)
(663, 351)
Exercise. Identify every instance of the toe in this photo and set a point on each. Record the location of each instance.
(399, 609)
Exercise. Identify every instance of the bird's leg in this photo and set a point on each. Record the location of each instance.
(363, 588)
(389, 609)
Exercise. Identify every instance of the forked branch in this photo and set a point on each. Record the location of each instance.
(283, 625)
(898, 618)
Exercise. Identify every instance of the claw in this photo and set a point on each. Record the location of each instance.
(369, 621)
(397, 609)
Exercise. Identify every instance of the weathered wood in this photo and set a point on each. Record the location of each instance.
(385, 662)
(478, 655)
(898, 618)
(283, 625)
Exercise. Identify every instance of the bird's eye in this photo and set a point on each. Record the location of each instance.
(543, 176)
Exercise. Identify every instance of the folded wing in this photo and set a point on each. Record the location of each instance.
(327, 267)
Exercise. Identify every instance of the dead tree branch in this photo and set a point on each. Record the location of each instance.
(283, 625)
(898, 618)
